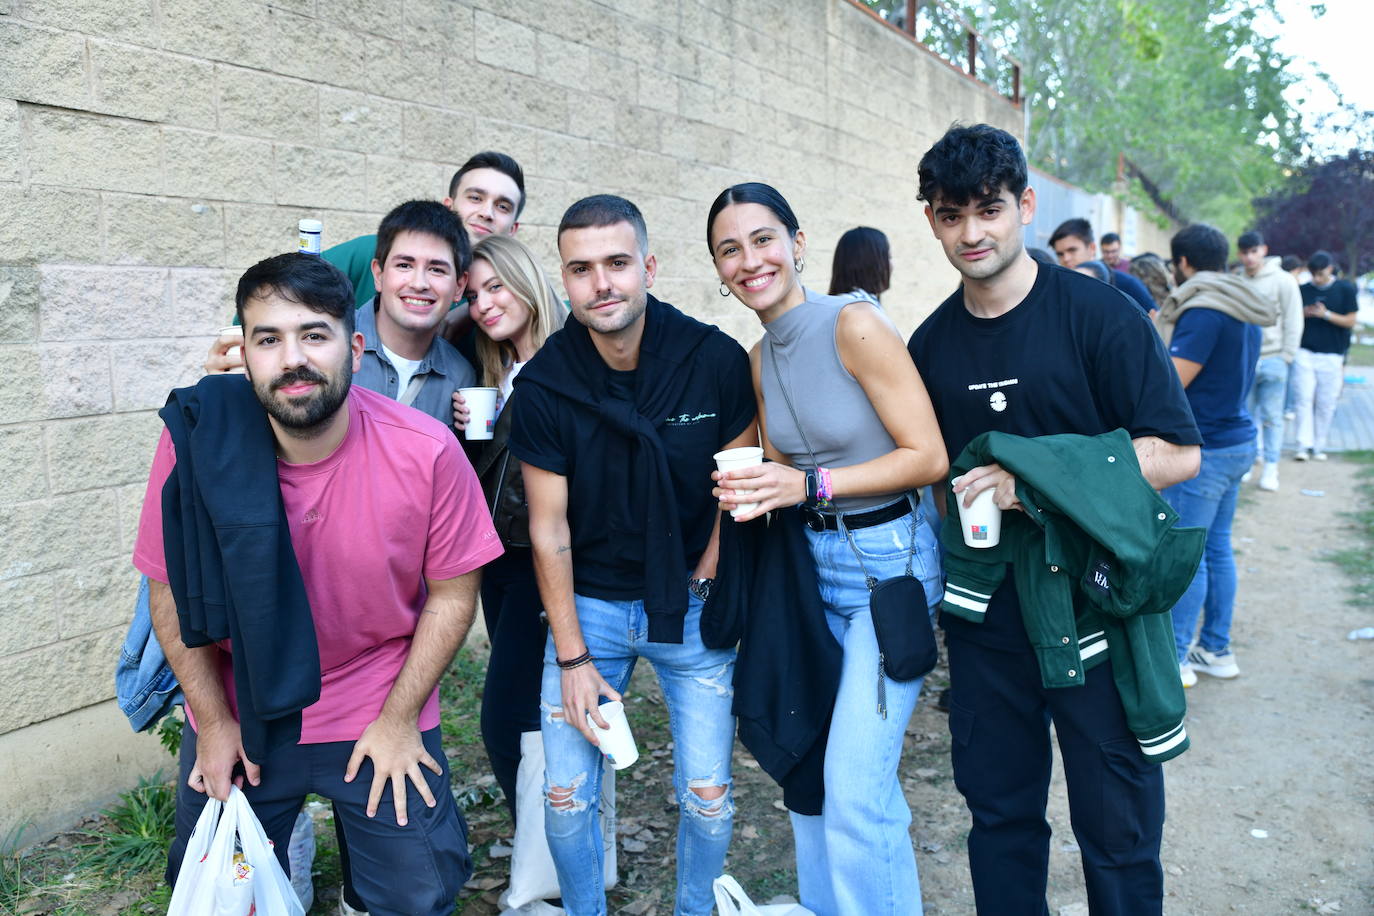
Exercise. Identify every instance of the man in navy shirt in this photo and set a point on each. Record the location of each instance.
(1073, 244)
(1215, 348)
(1068, 355)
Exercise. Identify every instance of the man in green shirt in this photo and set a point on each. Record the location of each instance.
(487, 194)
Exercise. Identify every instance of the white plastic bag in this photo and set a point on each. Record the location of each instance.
(230, 869)
(532, 875)
(301, 854)
(731, 900)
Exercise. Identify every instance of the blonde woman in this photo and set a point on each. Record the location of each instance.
(515, 310)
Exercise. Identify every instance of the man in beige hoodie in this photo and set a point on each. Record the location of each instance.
(1277, 349)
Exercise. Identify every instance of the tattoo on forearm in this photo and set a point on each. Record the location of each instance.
(564, 548)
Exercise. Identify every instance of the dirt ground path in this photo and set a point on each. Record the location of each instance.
(1286, 749)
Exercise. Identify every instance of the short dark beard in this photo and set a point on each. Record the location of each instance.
(313, 418)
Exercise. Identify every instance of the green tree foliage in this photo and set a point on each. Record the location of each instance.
(1189, 90)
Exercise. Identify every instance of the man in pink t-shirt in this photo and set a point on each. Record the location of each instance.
(389, 529)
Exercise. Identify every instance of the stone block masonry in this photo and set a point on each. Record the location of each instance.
(150, 151)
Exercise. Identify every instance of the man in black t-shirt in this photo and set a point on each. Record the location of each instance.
(615, 423)
(1330, 308)
(1036, 350)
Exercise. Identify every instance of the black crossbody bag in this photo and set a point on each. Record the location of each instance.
(901, 620)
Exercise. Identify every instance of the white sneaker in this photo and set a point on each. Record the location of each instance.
(1216, 664)
(1185, 671)
(1269, 477)
(1318, 456)
(346, 910)
(1245, 478)
(1300, 455)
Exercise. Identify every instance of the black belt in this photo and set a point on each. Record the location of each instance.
(817, 520)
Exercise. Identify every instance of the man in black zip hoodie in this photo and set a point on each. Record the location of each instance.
(615, 425)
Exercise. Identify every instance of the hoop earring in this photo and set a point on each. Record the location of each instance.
(799, 264)
(724, 290)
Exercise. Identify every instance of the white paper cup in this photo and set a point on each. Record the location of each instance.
(982, 521)
(617, 744)
(734, 459)
(233, 352)
(481, 411)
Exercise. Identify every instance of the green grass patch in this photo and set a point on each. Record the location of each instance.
(1360, 355)
(460, 710)
(1357, 560)
(136, 832)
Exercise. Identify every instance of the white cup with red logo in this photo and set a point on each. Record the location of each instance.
(481, 412)
(982, 521)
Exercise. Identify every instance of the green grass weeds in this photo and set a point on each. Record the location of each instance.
(1357, 559)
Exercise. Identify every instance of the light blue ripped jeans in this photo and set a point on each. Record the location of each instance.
(856, 856)
(698, 689)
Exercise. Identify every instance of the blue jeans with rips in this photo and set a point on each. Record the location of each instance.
(856, 856)
(1266, 405)
(698, 688)
(1209, 501)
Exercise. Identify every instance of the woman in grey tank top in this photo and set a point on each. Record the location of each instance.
(850, 434)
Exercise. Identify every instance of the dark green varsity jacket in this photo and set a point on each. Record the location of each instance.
(1098, 563)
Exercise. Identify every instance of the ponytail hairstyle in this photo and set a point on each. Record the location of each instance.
(752, 192)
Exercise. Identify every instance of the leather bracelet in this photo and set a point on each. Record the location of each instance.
(575, 662)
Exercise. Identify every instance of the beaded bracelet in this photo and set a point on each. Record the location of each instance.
(575, 662)
(825, 492)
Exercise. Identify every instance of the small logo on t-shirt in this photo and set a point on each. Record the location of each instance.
(997, 400)
(312, 516)
(688, 419)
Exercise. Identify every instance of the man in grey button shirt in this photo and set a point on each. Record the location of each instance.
(420, 269)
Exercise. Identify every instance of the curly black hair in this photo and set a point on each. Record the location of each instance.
(972, 161)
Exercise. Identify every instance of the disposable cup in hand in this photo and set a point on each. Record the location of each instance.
(982, 521)
(617, 744)
(481, 412)
(734, 459)
(234, 352)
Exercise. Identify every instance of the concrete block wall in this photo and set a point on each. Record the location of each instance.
(150, 150)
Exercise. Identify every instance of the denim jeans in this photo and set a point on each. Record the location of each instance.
(1266, 405)
(856, 856)
(698, 688)
(1209, 501)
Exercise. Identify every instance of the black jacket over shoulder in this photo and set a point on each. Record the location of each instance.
(230, 562)
(787, 673)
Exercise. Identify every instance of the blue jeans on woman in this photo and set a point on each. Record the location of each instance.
(856, 856)
(698, 689)
(1209, 501)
